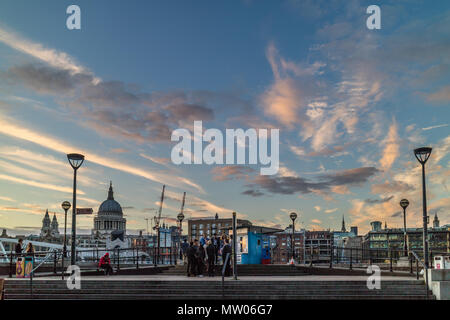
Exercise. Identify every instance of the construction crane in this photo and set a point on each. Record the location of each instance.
(182, 203)
(158, 217)
(157, 223)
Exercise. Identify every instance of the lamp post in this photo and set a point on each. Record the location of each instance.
(75, 160)
(293, 216)
(422, 155)
(404, 203)
(180, 218)
(66, 206)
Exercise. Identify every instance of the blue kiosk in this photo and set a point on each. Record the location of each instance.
(253, 244)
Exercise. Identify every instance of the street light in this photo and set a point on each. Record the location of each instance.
(180, 218)
(75, 160)
(293, 216)
(404, 203)
(66, 206)
(422, 155)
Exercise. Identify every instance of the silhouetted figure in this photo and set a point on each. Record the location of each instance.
(18, 248)
(227, 249)
(211, 253)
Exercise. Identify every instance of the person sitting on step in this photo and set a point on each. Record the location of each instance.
(105, 263)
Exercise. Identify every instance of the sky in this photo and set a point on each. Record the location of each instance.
(350, 103)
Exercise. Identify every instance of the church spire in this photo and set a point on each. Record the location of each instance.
(343, 225)
(436, 221)
(110, 192)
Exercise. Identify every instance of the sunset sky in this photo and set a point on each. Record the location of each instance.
(351, 104)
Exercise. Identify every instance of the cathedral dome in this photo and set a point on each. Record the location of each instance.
(110, 206)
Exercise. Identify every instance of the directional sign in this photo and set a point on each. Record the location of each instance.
(84, 211)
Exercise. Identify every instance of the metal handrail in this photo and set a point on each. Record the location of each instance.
(417, 258)
(223, 272)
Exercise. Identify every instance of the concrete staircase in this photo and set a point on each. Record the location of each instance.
(248, 270)
(211, 289)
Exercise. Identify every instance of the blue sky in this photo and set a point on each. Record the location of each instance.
(350, 103)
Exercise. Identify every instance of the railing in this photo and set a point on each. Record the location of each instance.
(88, 258)
(348, 257)
(227, 258)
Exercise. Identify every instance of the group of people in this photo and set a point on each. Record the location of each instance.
(29, 250)
(203, 255)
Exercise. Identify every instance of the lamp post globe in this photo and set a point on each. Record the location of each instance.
(422, 155)
(404, 203)
(75, 160)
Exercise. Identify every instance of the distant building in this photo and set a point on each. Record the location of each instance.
(318, 245)
(49, 229)
(393, 238)
(282, 251)
(210, 226)
(109, 217)
(435, 221)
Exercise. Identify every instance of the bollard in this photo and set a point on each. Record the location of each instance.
(10, 264)
(137, 258)
(351, 259)
(54, 262)
(410, 264)
(417, 269)
(431, 259)
(390, 260)
(331, 258)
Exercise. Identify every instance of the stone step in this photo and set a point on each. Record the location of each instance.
(204, 284)
(213, 297)
(205, 292)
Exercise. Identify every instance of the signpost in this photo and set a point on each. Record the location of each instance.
(84, 211)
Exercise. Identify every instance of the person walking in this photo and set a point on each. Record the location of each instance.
(227, 249)
(211, 253)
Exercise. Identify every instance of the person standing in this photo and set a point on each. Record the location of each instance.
(195, 258)
(215, 243)
(18, 248)
(201, 254)
(227, 249)
(190, 258)
(202, 240)
(184, 248)
(30, 249)
(211, 253)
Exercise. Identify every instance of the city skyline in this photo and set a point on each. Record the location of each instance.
(351, 105)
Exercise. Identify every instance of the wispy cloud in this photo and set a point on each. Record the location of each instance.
(11, 129)
(57, 59)
(435, 127)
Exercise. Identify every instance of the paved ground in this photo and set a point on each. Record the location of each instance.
(246, 278)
